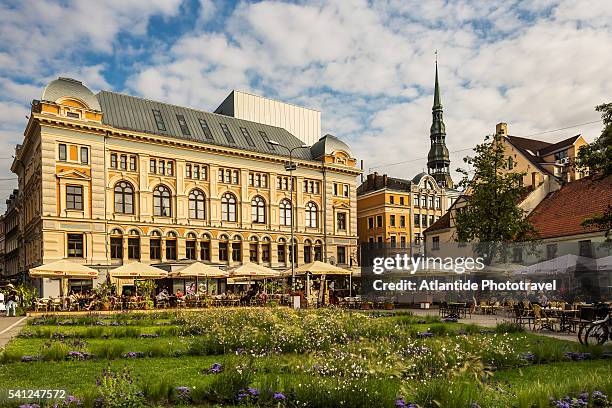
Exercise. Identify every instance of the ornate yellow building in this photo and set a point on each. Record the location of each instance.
(109, 178)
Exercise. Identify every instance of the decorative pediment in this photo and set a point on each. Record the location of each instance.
(73, 175)
(341, 204)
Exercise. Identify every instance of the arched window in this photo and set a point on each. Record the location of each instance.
(124, 198)
(311, 215)
(258, 210)
(285, 212)
(190, 246)
(171, 247)
(196, 205)
(205, 247)
(161, 201)
(116, 244)
(228, 207)
(223, 248)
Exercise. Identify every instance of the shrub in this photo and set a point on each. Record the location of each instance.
(119, 390)
(54, 351)
(509, 327)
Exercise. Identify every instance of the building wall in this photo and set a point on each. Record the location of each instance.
(52, 221)
(303, 123)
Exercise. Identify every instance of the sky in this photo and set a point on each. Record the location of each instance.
(368, 66)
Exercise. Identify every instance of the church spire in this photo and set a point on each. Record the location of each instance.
(438, 160)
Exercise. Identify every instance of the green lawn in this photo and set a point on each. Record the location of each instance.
(319, 358)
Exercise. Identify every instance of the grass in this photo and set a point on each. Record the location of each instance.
(317, 359)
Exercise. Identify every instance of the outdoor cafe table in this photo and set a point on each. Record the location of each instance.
(565, 317)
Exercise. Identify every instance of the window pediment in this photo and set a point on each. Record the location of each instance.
(73, 175)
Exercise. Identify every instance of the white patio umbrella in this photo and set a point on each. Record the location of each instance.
(199, 270)
(64, 270)
(138, 270)
(561, 264)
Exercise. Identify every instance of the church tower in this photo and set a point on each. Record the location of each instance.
(438, 160)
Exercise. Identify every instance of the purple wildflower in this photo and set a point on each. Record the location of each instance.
(425, 334)
(279, 396)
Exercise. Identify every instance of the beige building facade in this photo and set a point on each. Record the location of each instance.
(108, 179)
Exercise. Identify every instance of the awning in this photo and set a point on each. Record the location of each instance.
(199, 270)
(138, 270)
(64, 269)
(254, 271)
(319, 268)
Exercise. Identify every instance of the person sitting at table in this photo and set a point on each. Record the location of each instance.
(180, 295)
(163, 295)
(543, 300)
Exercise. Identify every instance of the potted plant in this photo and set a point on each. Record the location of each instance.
(367, 305)
(104, 291)
(146, 288)
(389, 304)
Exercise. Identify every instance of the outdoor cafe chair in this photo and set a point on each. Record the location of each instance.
(520, 317)
(542, 320)
(55, 304)
(41, 304)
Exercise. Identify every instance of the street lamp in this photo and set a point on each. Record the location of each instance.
(290, 167)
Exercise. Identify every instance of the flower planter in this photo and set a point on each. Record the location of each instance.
(366, 306)
(389, 306)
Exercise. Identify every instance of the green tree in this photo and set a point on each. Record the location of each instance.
(492, 216)
(597, 156)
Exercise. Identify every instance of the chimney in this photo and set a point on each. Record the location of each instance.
(501, 129)
(385, 180)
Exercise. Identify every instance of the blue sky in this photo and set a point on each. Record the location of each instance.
(367, 66)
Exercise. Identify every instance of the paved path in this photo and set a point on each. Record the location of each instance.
(9, 327)
(493, 320)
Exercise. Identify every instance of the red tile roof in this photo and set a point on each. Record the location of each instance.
(561, 213)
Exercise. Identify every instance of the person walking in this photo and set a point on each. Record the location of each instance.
(11, 301)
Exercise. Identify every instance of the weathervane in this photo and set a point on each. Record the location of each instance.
(436, 52)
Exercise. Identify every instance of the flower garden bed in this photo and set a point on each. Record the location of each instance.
(282, 358)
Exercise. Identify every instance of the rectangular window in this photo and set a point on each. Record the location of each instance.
(401, 200)
(551, 251)
(159, 121)
(438, 203)
(235, 177)
(113, 160)
(155, 248)
(247, 137)
(341, 221)
(152, 166)
(431, 202)
(402, 221)
(379, 221)
(424, 220)
(171, 249)
(133, 163)
(585, 248)
(266, 139)
(403, 241)
(204, 174)
(236, 251)
(392, 220)
(205, 129)
(162, 167)
(253, 253)
(72, 115)
(424, 201)
(75, 245)
(63, 155)
(417, 220)
(188, 171)
(134, 248)
(335, 189)
(431, 220)
(227, 133)
(415, 200)
(205, 251)
(391, 200)
(393, 239)
(116, 248)
(74, 197)
(223, 251)
(435, 241)
(190, 249)
(371, 222)
(281, 253)
(184, 129)
(196, 172)
(265, 253)
(341, 254)
(517, 255)
(84, 155)
(170, 168)
(345, 190)
(123, 162)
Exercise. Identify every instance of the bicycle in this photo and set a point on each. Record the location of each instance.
(598, 332)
